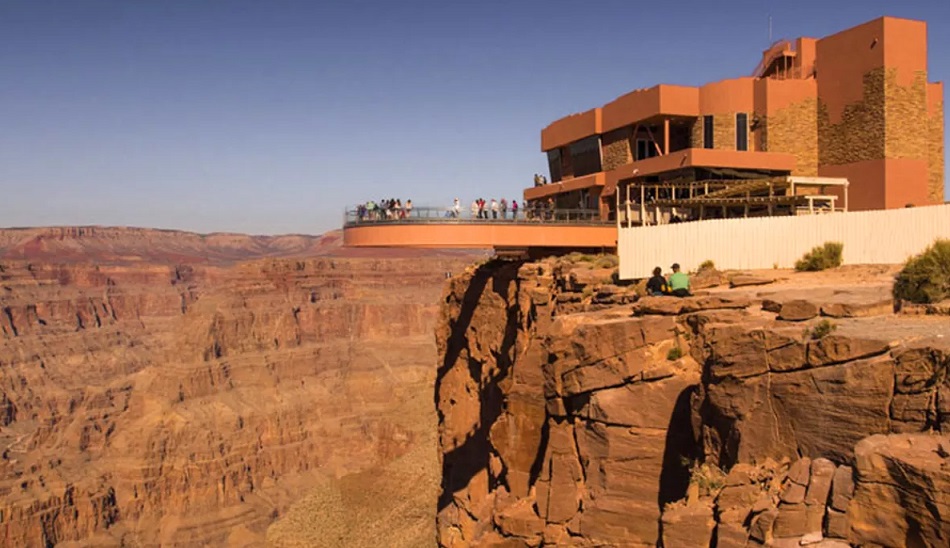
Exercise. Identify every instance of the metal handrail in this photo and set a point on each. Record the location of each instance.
(434, 215)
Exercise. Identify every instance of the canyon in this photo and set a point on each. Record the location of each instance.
(770, 409)
(168, 388)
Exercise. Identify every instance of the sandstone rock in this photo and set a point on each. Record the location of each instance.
(838, 525)
(901, 491)
(722, 301)
(520, 520)
(800, 471)
(792, 521)
(739, 475)
(740, 496)
(842, 488)
(839, 348)
(731, 535)
(763, 525)
(688, 525)
(858, 309)
(747, 280)
(822, 472)
(793, 493)
(663, 306)
(798, 310)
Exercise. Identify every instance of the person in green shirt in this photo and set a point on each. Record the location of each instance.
(678, 282)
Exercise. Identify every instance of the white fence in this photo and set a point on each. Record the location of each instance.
(869, 237)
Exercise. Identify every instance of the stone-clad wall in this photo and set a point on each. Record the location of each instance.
(616, 148)
(696, 133)
(935, 149)
(859, 134)
(724, 131)
(890, 122)
(905, 117)
(794, 130)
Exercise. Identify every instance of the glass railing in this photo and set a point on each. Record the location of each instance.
(357, 216)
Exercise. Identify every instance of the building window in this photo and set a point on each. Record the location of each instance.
(645, 149)
(554, 164)
(585, 156)
(707, 131)
(742, 131)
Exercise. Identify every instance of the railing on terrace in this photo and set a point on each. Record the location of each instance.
(442, 215)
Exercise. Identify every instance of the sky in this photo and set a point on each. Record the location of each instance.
(271, 117)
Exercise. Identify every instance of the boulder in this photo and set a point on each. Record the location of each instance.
(763, 525)
(792, 521)
(744, 280)
(901, 493)
(842, 488)
(822, 472)
(798, 310)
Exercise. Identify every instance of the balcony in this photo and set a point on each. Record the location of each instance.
(445, 229)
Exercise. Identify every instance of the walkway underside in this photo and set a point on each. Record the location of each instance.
(482, 235)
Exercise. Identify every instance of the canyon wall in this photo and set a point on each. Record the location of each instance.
(147, 402)
(804, 411)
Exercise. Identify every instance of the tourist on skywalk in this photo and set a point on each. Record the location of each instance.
(503, 208)
(476, 212)
(494, 209)
(408, 209)
(537, 179)
(514, 209)
(456, 208)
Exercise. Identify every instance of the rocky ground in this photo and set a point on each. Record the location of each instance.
(167, 388)
(773, 408)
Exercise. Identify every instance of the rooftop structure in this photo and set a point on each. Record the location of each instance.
(855, 105)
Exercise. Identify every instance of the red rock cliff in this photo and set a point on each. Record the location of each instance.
(730, 419)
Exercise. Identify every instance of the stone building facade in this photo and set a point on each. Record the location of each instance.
(855, 104)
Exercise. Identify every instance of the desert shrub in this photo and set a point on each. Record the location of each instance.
(821, 329)
(674, 354)
(708, 264)
(607, 261)
(708, 477)
(925, 277)
(821, 257)
(588, 291)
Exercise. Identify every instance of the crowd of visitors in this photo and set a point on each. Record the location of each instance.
(386, 209)
(677, 285)
(540, 180)
(394, 209)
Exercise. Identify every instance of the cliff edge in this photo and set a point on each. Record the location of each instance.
(574, 413)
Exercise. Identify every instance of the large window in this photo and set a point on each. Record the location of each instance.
(742, 131)
(645, 149)
(707, 131)
(554, 164)
(585, 156)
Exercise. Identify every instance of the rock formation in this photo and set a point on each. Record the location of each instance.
(783, 415)
(157, 401)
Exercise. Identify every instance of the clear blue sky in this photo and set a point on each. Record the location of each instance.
(270, 116)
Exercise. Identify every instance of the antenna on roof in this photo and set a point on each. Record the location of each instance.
(770, 30)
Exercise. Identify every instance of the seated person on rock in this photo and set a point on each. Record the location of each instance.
(679, 282)
(656, 286)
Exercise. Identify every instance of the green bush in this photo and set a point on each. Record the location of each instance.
(708, 264)
(822, 329)
(821, 257)
(926, 277)
(674, 354)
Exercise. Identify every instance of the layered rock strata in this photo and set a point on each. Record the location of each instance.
(147, 404)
